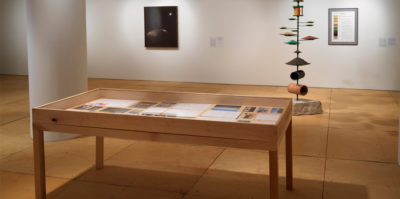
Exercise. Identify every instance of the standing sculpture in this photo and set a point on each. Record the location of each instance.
(300, 106)
(297, 88)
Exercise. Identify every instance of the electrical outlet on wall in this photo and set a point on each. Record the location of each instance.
(216, 42)
(220, 42)
(391, 42)
(383, 42)
(213, 42)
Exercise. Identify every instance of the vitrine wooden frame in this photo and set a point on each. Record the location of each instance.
(54, 117)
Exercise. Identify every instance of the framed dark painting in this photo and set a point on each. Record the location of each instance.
(161, 26)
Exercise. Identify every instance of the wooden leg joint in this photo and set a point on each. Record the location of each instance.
(273, 175)
(289, 158)
(99, 152)
(39, 163)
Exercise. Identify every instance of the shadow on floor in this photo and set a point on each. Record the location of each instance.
(114, 182)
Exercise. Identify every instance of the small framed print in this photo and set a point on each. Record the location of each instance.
(343, 26)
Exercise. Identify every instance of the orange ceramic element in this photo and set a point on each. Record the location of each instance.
(297, 89)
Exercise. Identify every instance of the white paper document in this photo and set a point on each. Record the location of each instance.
(222, 114)
(154, 111)
(112, 102)
(272, 117)
(345, 25)
(186, 106)
(182, 113)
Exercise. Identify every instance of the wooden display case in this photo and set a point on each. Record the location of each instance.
(58, 117)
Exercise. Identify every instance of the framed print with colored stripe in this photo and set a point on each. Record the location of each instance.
(343, 26)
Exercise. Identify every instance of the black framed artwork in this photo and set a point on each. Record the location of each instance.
(161, 26)
(343, 26)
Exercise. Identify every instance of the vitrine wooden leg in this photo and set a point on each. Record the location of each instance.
(273, 175)
(289, 158)
(99, 152)
(39, 163)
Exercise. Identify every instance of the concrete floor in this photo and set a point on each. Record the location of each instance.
(349, 151)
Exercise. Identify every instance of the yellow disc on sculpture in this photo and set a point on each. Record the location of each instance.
(289, 34)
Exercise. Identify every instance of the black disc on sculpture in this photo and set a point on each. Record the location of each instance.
(297, 62)
(296, 75)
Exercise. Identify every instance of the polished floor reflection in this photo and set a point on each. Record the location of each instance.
(349, 151)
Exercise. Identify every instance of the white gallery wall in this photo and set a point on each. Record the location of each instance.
(13, 52)
(252, 51)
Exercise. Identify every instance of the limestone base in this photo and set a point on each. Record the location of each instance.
(306, 107)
